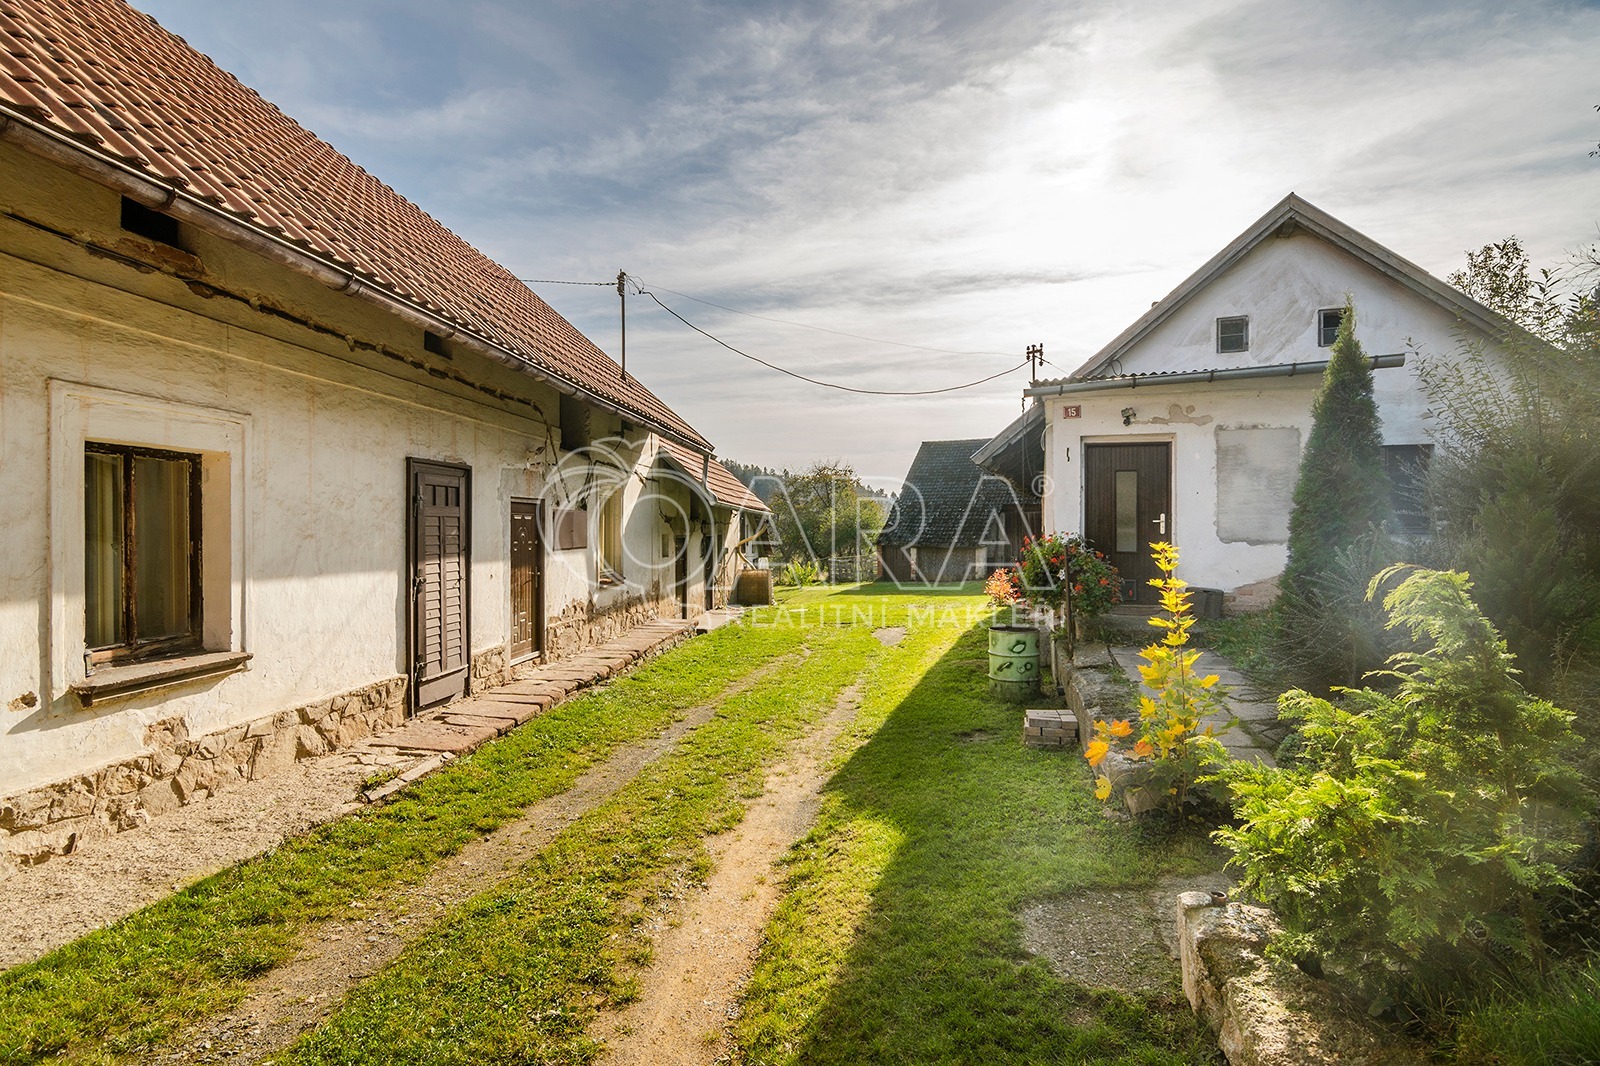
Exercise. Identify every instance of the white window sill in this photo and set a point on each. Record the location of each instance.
(111, 681)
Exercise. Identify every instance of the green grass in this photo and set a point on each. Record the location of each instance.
(898, 940)
(516, 974)
(1556, 1023)
(123, 989)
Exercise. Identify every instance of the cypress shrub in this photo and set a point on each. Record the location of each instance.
(1325, 632)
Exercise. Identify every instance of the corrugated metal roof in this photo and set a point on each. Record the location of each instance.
(110, 78)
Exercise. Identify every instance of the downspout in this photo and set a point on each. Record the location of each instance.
(184, 206)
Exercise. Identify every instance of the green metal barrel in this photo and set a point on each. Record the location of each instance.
(1014, 662)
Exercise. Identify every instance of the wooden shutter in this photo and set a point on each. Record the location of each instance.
(440, 568)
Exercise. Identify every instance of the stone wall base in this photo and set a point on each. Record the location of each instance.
(1257, 596)
(176, 769)
(1264, 1012)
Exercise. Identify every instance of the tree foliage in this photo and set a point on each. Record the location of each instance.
(825, 511)
(1516, 481)
(1341, 502)
(1407, 845)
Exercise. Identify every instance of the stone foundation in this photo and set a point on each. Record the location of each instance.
(175, 769)
(582, 625)
(1257, 596)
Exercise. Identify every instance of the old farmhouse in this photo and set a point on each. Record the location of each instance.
(286, 459)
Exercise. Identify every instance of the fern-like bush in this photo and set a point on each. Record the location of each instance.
(1407, 847)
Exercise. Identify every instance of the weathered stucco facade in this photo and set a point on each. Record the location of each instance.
(303, 406)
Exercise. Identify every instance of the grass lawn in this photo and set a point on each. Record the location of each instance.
(897, 940)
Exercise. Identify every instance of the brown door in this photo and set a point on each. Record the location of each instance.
(440, 569)
(681, 577)
(1127, 505)
(527, 572)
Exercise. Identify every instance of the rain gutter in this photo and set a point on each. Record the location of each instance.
(1134, 381)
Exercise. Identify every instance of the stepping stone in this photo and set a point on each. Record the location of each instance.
(425, 734)
(509, 711)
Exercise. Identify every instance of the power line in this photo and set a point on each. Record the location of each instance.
(819, 329)
(815, 381)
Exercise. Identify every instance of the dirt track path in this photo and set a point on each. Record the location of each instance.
(298, 995)
(705, 947)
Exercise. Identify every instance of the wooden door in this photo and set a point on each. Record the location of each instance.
(440, 575)
(1127, 505)
(680, 577)
(527, 580)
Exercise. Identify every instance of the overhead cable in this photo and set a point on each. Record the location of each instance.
(815, 381)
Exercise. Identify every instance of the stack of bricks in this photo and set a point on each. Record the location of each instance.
(1049, 728)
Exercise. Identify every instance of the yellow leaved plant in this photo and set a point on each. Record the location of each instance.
(1172, 740)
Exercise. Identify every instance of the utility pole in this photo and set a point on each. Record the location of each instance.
(622, 301)
(1035, 362)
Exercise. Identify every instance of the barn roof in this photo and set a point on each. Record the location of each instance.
(103, 89)
(947, 499)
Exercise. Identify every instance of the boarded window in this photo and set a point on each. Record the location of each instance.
(1256, 473)
(572, 529)
(1407, 467)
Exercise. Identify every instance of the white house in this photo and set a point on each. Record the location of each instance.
(1188, 427)
(285, 459)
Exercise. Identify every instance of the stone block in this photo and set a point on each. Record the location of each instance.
(1267, 1013)
(309, 743)
(261, 727)
(73, 802)
(159, 797)
(31, 810)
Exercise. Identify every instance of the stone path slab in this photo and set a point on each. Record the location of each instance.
(1258, 732)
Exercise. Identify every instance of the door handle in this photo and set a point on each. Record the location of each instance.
(1162, 522)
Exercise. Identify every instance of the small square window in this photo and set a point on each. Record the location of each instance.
(1233, 334)
(1328, 320)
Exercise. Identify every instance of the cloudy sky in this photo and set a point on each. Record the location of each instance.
(901, 195)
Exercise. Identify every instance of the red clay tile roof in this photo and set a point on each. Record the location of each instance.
(724, 487)
(109, 77)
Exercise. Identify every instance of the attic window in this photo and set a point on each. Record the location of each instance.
(1328, 320)
(151, 225)
(1233, 334)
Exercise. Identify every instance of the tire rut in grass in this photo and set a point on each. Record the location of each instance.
(338, 954)
(705, 948)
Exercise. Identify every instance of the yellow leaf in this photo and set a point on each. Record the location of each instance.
(1142, 749)
(1096, 752)
(1208, 680)
(1120, 728)
(1102, 788)
(1147, 707)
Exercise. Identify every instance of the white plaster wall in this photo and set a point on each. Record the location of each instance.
(317, 586)
(1281, 285)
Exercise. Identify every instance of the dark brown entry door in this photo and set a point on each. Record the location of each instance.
(681, 577)
(1127, 505)
(527, 572)
(440, 569)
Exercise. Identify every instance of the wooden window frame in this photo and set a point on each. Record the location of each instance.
(134, 649)
(608, 540)
(1324, 338)
(1244, 335)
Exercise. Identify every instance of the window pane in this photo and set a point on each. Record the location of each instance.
(161, 539)
(102, 541)
(1127, 505)
(1233, 334)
